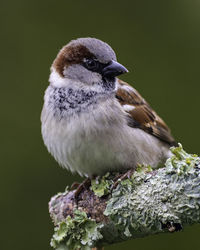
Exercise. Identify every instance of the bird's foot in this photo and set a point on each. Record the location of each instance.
(81, 187)
(74, 185)
(122, 177)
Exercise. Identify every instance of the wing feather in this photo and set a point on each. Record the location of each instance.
(141, 115)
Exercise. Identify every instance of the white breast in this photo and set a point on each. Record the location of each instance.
(97, 141)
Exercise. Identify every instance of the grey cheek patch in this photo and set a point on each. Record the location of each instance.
(80, 73)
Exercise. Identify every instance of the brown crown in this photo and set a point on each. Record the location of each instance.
(70, 55)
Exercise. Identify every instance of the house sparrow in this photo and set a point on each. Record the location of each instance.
(92, 122)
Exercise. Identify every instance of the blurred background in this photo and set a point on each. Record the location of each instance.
(158, 41)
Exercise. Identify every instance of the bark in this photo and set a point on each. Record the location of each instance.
(149, 202)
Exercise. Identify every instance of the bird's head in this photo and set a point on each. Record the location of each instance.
(87, 60)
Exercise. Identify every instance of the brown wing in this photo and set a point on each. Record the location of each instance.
(141, 115)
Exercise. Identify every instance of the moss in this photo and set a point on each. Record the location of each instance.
(75, 233)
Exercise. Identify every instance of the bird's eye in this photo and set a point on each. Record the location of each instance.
(91, 64)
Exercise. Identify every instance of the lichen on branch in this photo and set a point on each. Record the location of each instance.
(151, 201)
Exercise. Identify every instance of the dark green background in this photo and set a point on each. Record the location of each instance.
(158, 41)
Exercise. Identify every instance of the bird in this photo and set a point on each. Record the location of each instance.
(92, 122)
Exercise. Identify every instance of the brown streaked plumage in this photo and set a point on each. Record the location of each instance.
(142, 115)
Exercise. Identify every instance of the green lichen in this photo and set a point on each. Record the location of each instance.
(181, 162)
(141, 168)
(102, 185)
(79, 232)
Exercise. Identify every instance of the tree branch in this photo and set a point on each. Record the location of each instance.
(150, 202)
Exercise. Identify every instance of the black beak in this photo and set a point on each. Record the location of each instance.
(114, 69)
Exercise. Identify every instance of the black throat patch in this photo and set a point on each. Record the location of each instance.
(66, 101)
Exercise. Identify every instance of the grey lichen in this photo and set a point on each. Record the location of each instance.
(149, 202)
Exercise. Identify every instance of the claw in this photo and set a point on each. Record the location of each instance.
(81, 187)
(74, 185)
(122, 177)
